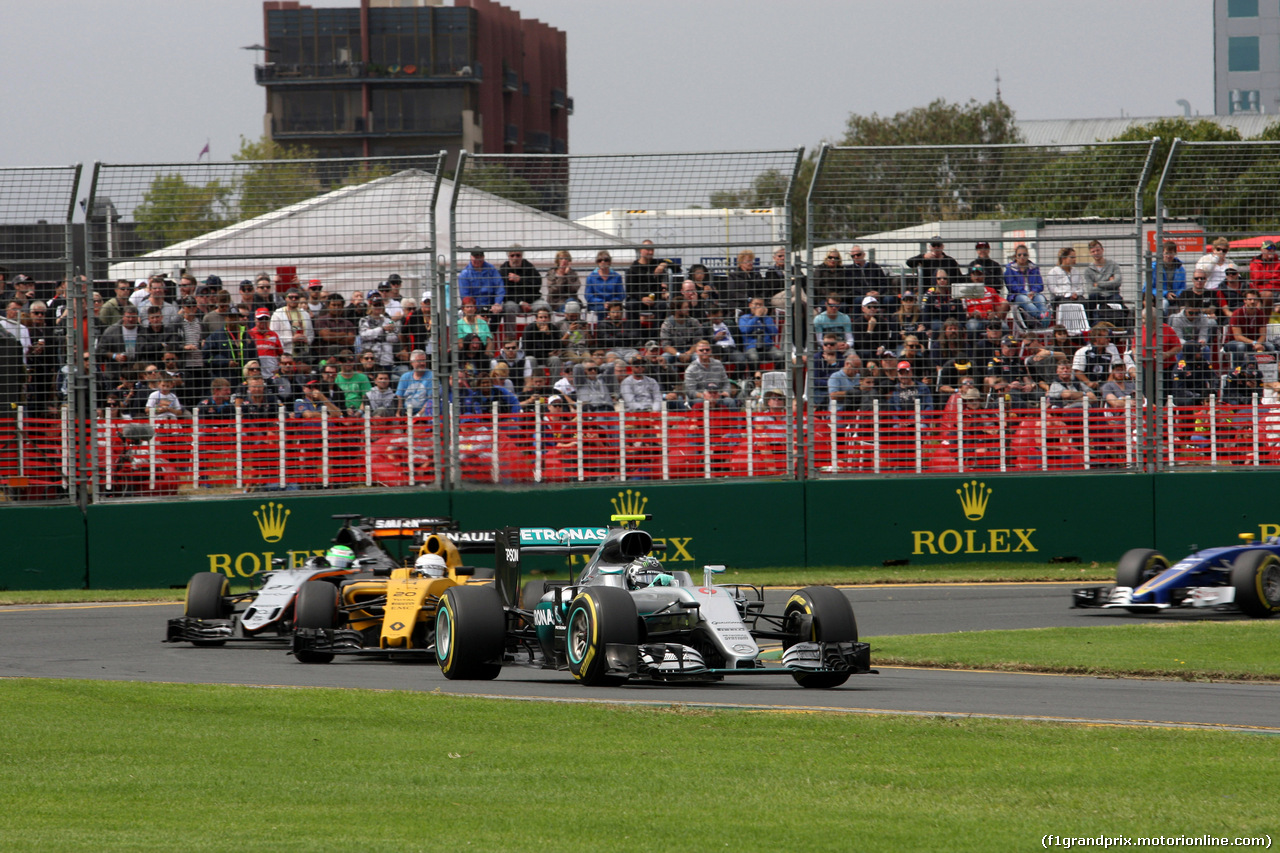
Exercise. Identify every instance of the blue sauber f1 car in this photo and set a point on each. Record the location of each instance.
(1243, 577)
(626, 617)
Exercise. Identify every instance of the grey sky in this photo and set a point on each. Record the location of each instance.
(152, 80)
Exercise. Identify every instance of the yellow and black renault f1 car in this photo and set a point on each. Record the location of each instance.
(626, 617)
(390, 610)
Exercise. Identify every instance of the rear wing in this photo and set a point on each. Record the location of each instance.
(511, 542)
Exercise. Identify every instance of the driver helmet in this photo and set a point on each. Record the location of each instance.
(643, 572)
(431, 566)
(340, 556)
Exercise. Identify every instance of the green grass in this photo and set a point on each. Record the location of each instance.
(117, 766)
(1191, 650)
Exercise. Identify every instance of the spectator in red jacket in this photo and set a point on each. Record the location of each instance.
(1264, 274)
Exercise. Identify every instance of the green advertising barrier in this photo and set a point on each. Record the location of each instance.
(923, 520)
(144, 545)
(739, 524)
(44, 547)
(939, 520)
(1202, 510)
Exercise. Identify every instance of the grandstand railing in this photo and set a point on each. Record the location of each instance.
(160, 458)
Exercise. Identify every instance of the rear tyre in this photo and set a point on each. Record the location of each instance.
(820, 614)
(1256, 578)
(598, 617)
(207, 599)
(316, 607)
(471, 633)
(1136, 567)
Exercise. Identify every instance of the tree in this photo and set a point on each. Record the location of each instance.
(173, 210)
(281, 175)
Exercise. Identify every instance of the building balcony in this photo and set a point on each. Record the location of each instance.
(375, 127)
(510, 80)
(558, 99)
(329, 73)
(537, 142)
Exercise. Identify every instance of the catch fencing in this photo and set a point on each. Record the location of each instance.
(284, 237)
(38, 445)
(722, 212)
(490, 417)
(872, 218)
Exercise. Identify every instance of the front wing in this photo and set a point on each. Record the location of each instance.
(345, 641)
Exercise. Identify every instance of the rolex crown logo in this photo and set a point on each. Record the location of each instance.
(272, 518)
(629, 503)
(973, 499)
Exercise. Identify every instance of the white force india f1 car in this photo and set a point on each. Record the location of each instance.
(625, 617)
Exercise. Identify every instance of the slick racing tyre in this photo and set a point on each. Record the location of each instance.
(820, 614)
(316, 607)
(598, 617)
(471, 633)
(207, 599)
(1256, 578)
(1136, 567)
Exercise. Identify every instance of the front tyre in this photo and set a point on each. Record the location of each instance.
(1136, 567)
(820, 614)
(207, 599)
(316, 607)
(471, 633)
(1256, 578)
(599, 616)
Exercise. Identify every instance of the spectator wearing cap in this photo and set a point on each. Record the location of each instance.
(378, 333)
(982, 301)
(1192, 380)
(1248, 330)
(522, 281)
(933, 259)
(951, 376)
(244, 293)
(314, 401)
(391, 299)
(873, 332)
(1025, 287)
(293, 323)
(471, 323)
(141, 290)
(704, 369)
(1065, 283)
(603, 284)
(1264, 273)
(334, 331)
(759, 334)
(832, 319)
(227, 351)
(481, 282)
(315, 297)
(712, 396)
(908, 391)
(993, 272)
(415, 391)
(267, 342)
(1231, 294)
(1092, 362)
(1241, 384)
(1007, 376)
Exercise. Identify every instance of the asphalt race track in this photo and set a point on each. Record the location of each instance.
(121, 642)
